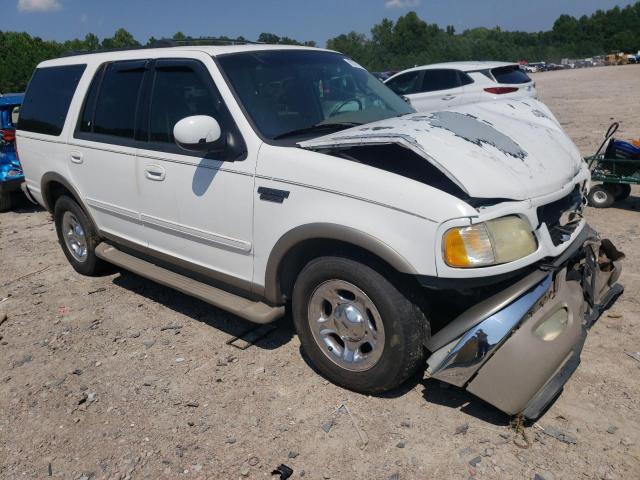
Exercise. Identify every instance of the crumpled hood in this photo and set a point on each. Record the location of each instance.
(512, 149)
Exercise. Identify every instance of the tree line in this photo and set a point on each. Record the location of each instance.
(390, 45)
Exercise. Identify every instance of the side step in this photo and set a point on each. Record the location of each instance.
(256, 312)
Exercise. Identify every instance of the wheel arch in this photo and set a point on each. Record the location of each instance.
(300, 245)
(53, 185)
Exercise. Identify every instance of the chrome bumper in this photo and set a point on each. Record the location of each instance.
(519, 347)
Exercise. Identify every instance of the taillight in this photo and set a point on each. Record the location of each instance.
(8, 135)
(500, 90)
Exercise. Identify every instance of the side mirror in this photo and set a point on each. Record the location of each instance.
(197, 133)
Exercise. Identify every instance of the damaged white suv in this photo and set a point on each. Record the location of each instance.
(259, 178)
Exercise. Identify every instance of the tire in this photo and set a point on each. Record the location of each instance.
(392, 350)
(601, 197)
(622, 192)
(83, 259)
(5, 202)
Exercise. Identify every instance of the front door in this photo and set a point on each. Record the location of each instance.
(195, 207)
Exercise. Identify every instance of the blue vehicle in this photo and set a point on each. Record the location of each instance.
(11, 175)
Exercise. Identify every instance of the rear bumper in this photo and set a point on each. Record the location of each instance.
(13, 185)
(517, 349)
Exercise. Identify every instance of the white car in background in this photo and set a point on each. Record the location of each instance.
(445, 85)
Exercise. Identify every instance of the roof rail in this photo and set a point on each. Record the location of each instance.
(168, 43)
(206, 41)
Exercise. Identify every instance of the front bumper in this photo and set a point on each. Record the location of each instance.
(497, 349)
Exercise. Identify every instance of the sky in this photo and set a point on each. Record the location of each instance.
(316, 20)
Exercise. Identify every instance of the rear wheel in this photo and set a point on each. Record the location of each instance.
(601, 197)
(623, 191)
(356, 327)
(77, 237)
(5, 201)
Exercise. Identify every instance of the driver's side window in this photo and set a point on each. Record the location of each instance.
(405, 84)
(179, 91)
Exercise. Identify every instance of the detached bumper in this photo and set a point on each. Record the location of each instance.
(517, 349)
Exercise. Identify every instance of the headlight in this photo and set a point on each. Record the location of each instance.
(497, 241)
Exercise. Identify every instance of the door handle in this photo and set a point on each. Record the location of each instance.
(76, 157)
(449, 97)
(155, 173)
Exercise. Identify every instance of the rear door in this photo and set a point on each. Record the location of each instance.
(441, 88)
(196, 208)
(102, 151)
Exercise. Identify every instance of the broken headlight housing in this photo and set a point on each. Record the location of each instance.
(497, 241)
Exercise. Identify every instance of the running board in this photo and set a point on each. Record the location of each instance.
(256, 312)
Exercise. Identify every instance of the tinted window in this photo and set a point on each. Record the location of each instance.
(116, 106)
(48, 97)
(88, 109)
(440, 80)
(464, 78)
(510, 74)
(181, 89)
(405, 84)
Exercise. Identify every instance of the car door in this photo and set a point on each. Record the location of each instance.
(102, 153)
(406, 84)
(441, 89)
(196, 209)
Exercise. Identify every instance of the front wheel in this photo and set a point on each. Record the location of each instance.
(356, 327)
(601, 197)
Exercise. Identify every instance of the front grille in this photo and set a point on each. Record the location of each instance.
(563, 216)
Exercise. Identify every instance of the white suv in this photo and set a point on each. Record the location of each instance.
(444, 85)
(259, 178)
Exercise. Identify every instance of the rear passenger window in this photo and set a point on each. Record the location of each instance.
(181, 89)
(116, 105)
(48, 97)
(440, 79)
(405, 84)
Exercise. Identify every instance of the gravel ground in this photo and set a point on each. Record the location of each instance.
(117, 377)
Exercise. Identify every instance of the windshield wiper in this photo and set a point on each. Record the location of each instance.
(317, 127)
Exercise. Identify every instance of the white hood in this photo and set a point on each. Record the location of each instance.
(512, 149)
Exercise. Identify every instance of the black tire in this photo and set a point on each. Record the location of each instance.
(601, 197)
(91, 265)
(5, 201)
(622, 192)
(405, 326)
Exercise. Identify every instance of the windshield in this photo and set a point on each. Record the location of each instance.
(289, 91)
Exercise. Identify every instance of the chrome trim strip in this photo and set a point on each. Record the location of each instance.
(458, 363)
(196, 234)
(113, 209)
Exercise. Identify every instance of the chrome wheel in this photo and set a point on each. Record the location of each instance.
(346, 325)
(74, 236)
(600, 196)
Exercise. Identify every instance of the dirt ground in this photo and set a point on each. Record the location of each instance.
(117, 377)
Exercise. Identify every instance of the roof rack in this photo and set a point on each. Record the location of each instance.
(168, 43)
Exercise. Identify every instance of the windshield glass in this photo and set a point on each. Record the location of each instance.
(289, 91)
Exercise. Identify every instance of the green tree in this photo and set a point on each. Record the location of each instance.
(120, 39)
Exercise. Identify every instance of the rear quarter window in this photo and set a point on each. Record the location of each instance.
(48, 97)
(510, 74)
